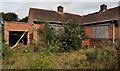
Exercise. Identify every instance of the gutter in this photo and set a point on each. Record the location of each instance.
(51, 22)
(100, 22)
(84, 24)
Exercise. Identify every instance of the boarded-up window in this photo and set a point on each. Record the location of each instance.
(100, 31)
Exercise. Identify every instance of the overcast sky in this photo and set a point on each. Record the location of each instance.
(21, 8)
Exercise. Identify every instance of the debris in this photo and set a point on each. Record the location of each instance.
(68, 67)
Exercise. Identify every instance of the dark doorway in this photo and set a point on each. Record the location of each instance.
(14, 37)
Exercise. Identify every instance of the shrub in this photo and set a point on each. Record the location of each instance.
(48, 37)
(71, 35)
(47, 33)
(65, 39)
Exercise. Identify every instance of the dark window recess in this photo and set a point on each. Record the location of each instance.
(14, 37)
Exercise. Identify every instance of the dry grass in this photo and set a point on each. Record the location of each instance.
(66, 60)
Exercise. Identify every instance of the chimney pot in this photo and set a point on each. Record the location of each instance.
(103, 7)
(60, 9)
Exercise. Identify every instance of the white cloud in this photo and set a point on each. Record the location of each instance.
(60, 0)
(81, 8)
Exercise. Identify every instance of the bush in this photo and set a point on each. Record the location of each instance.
(71, 36)
(65, 39)
(48, 38)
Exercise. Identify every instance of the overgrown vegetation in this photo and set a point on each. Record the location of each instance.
(24, 57)
(61, 50)
(91, 56)
(66, 38)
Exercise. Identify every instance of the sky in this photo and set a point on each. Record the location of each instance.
(83, 7)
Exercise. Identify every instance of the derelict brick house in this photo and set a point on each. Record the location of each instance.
(53, 17)
(103, 24)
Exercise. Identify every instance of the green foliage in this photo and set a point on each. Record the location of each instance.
(9, 16)
(64, 39)
(7, 52)
(18, 58)
(40, 61)
(48, 37)
(25, 19)
(36, 49)
(47, 33)
(100, 55)
(91, 56)
(71, 36)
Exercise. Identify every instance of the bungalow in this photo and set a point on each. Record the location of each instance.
(103, 24)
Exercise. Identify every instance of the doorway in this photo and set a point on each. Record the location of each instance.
(14, 37)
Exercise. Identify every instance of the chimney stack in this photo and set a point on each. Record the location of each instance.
(60, 9)
(103, 7)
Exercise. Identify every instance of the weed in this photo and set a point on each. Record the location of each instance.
(91, 56)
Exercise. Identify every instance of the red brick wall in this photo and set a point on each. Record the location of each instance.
(110, 32)
(30, 17)
(85, 43)
(118, 27)
(88, 31)
(10, 26)
(34, 31)
(119, 31)
(96, 43)
(116, 31)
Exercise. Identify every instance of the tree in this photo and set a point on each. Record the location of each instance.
(24, 19)
(9, 16)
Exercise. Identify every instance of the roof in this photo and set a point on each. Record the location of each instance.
(49, 15)
(109, 14)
